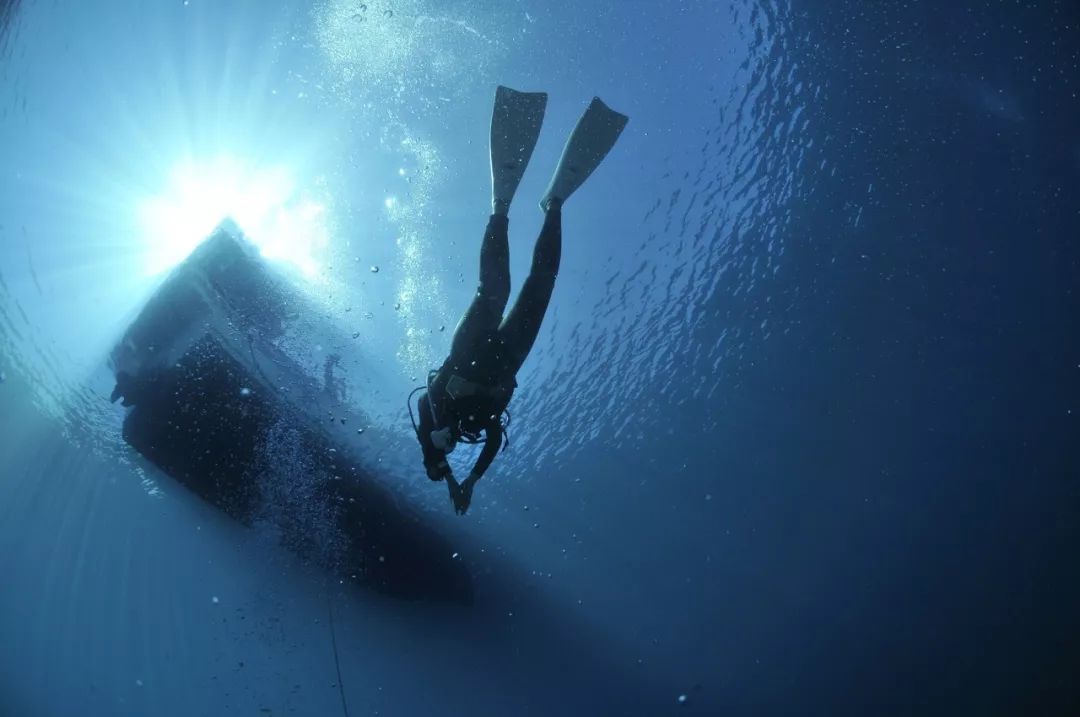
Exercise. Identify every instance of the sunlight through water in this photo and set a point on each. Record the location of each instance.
(285, 222)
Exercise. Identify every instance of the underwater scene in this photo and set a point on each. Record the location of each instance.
(507, 357)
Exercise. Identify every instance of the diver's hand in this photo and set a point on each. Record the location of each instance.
(438, 471)
(461, 495)
(455, 488)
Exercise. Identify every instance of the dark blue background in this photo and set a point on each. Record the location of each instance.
(922, 411)
(800, 434)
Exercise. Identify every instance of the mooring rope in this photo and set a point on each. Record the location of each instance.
(337, 663)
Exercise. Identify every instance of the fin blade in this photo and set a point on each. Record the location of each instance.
(593, 137)
(515, 127)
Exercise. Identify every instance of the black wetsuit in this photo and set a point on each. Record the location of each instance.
(472, 388)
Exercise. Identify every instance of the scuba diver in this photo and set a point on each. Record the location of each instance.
(465, 398)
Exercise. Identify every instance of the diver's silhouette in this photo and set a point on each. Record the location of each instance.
(465, 398)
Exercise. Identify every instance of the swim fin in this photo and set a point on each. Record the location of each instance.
(591, 140)
(515, 125)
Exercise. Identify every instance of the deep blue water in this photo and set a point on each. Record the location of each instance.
(799, 435)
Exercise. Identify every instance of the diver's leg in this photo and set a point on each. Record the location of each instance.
(486, 310)
(522, 324)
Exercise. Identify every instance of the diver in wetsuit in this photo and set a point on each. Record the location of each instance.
(467, 396)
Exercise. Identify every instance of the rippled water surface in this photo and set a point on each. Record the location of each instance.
(798, 436)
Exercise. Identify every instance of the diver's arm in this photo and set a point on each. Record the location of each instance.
(461, 495)
(494, 435)
(434, 459)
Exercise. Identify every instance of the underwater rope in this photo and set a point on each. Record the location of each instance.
(337, 664)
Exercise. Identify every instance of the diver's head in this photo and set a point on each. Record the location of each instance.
(444, 439)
